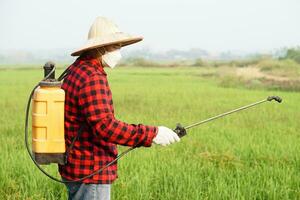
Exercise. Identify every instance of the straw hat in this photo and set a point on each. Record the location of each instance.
(104, 32)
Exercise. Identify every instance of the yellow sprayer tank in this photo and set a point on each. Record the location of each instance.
(48, 144)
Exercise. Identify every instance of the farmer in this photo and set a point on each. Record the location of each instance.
(89, 108)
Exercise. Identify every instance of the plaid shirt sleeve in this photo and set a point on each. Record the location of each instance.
(96, 105)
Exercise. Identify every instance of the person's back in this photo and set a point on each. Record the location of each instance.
(89, 151)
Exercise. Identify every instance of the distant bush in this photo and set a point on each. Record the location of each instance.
(199, 63)
(216, 63)
(294, 54)
(231, 63)
(244, 63)
(284, 68)
(141, 62)
(270, 64)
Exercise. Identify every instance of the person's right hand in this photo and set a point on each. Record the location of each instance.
(165, 136)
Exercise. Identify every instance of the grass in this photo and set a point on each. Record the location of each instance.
(249, 155)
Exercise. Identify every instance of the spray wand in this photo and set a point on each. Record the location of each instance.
(181, 131)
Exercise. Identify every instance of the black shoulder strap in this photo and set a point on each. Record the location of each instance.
(72, 144)
(60, 78)
(64, 74)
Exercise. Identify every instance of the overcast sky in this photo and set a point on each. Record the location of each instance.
(214, 25)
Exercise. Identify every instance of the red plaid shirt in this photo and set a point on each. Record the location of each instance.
(89, 104)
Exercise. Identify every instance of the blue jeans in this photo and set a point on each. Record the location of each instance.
(84, 191)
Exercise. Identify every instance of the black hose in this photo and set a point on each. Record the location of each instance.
(61, 77)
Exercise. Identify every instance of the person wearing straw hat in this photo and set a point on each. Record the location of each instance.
(89, 108)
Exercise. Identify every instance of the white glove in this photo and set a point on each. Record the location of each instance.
(165, 136)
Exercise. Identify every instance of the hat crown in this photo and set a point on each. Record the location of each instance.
(102, 27)
(104, 32)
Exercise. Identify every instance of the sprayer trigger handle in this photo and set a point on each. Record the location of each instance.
(180, 130)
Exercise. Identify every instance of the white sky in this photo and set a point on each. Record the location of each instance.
(214, 25)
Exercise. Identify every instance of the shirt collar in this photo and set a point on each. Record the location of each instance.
(91, 61)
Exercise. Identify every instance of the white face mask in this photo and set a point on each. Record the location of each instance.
(112, 58)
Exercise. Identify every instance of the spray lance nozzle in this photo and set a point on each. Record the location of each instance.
(181, 131)
(276, 98)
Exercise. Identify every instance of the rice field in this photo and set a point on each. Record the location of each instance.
(254, 154)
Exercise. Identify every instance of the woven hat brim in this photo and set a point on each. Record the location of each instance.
(117, 38)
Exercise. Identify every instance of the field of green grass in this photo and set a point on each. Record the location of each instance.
(254, 154)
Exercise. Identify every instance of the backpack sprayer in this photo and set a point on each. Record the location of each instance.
(48, 143)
